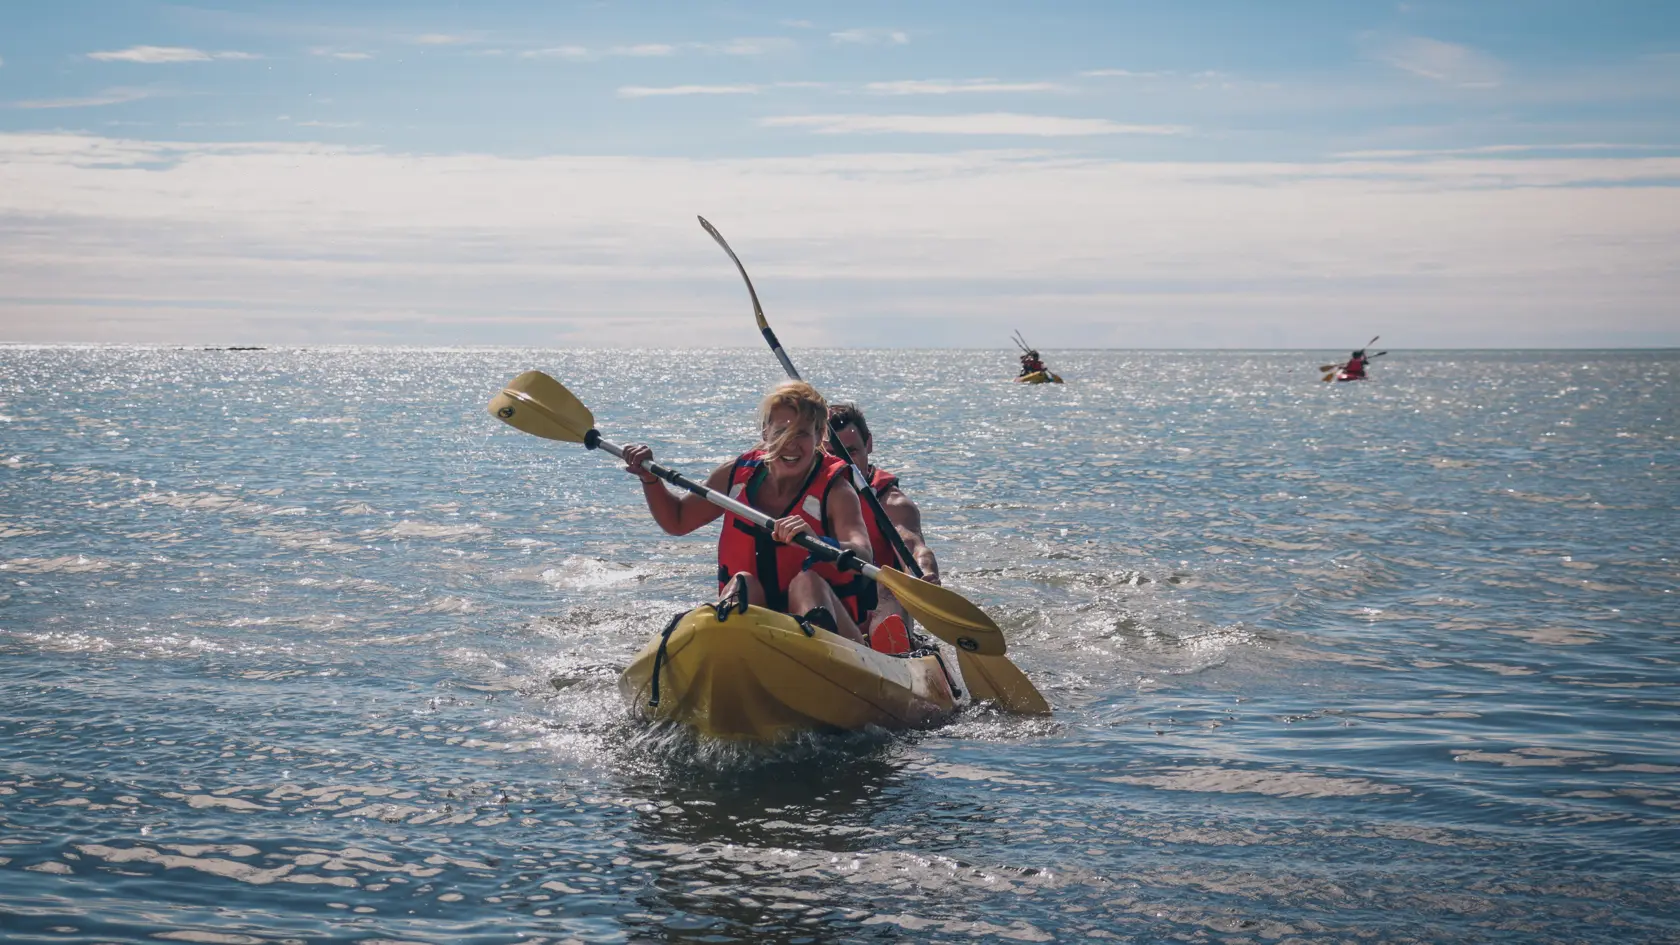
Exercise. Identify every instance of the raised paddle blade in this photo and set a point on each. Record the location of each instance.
(537, 404)
(758, 310)
(945, 613)
(996, 679)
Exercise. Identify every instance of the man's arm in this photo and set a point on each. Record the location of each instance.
(904, 514)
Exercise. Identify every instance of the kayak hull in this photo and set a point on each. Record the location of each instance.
(758, 676)
(1340, 377)
(1039, 377)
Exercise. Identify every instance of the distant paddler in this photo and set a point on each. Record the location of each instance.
(1354, 368)
(884, 618)
(1033, 370)
(789, 478)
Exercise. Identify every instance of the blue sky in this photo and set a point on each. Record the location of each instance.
(1119, 174)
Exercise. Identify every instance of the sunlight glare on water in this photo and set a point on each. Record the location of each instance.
(302, 645)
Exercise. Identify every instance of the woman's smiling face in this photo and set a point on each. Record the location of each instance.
(796, 449)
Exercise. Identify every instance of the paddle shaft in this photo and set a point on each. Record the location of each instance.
(843, 558)
(860, 482)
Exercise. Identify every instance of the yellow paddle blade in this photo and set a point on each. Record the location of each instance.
(1331, 376)
(996, 679)
(537, 404)
(945, 613)
(1328, 367)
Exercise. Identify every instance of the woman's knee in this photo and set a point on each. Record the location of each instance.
(806, 591)
(755, 589)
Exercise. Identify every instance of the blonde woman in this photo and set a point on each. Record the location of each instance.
(789, 478)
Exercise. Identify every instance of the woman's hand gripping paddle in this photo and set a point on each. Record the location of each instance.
(539, 405)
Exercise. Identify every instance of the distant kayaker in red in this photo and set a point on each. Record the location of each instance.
(1354, 370)
(1030, 364)
(879, 604)
(788, 477)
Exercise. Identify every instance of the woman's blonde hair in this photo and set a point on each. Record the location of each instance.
(809, 406)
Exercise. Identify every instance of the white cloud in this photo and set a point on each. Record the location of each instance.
(1122, 73)
(642, 91)
(949, 87)
(345, 54)
(993, 123)
(871, 37)
(749, 46)
(443, 39)
(643, 49)
(1503, 149)
(557, 52)
(296, 241)
(108, 97)
(154, 55)
(1448, 63)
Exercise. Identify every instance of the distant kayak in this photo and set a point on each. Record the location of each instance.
(1344, 376)
(759, 675)
(1039, 377)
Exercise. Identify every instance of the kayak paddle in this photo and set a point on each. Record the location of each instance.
(859, 481)
(997, 679)
(539, 405)
(1333, 367)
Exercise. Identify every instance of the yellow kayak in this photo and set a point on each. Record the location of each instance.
(758, 675)
(1039, 377)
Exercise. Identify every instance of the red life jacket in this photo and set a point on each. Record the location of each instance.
(1355, 368)
(886, 556)
(745, 548)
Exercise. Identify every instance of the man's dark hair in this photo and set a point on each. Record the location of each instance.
(847, 414)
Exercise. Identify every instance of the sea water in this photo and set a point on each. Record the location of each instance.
(304, 646)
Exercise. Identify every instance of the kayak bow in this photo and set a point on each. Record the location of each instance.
(759, 675)
(1039, 377)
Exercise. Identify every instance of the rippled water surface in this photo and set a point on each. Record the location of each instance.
(302, 645)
